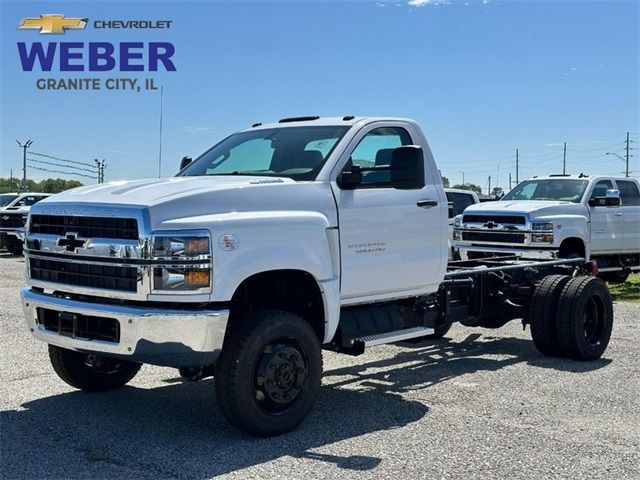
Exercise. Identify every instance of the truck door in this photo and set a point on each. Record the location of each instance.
(606, 222)
(630, 209)
(388, 242)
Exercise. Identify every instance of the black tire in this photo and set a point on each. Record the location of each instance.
(269, 372)
(542, 314)
(91, 373)
(619, 276)
(14, 247)
(584, 318)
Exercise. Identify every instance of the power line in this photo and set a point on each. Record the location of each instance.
(65, 173)
(62, 159)
(61, 166)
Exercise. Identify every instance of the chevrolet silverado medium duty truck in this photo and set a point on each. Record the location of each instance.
(279, 241)
(14, 209)
(559, 216)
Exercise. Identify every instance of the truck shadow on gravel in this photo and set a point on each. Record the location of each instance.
(424, 364)
(177, 431)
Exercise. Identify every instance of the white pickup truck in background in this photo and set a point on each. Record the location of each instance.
(559, 216)
(279, 241)
(14, 209)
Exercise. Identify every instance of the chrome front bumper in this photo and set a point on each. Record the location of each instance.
(16, 232)
(530, 252)
(148, 335)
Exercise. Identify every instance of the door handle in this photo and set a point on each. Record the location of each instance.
(427, 203)
(618, 214)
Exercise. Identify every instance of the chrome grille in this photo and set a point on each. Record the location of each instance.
(84, 275)
(85, 226)
(501, 219)
(12, 220)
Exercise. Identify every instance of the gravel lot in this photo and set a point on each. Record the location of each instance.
(481, 404)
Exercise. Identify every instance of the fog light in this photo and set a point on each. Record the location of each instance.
(197, 278)
(542, 238)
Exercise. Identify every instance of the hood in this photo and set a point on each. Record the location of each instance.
(540, 207)
(180, 197)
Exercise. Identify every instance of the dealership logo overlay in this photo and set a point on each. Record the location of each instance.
(53, 23)
(78, 56)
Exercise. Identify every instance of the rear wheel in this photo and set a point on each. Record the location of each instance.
(91, 373)
(269, 373)
(542, 314)
(584, 318)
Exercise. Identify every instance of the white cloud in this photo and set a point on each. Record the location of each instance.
(422, 3)
(196, 129)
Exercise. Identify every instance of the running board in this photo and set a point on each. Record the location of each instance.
(392, 337)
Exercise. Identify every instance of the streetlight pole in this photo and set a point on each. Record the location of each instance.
(460, 171)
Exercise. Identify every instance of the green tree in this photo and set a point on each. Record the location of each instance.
(48, 185)
(469, 186)
(445, 182)
(497, 191)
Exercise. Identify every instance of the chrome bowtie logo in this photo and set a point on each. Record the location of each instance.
(70, 242)
(491, 224)
(53, 23)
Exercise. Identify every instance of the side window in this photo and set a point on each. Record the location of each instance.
(629, 194)
(375, 150)
(600, 188)
(460, 201)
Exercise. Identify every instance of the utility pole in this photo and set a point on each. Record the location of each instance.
(517, 166)
(100, 166)
(24, 147)
(509, 180)
(489, 191)
(564, 159)
(626, 174)
(462, 176)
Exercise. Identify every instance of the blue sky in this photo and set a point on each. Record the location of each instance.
(482, 77)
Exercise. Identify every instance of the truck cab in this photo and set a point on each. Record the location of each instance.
(559, 216)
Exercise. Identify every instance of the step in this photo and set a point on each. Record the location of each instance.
(395, 336)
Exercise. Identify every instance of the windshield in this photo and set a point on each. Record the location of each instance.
(7, 199)
(294, 152)
(567, 190)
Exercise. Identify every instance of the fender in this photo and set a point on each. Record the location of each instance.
(266, 241)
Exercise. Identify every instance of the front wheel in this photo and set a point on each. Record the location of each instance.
(269, 372)
(91, 373)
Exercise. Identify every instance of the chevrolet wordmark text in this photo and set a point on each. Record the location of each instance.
(280, 241)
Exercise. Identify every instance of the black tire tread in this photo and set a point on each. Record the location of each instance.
(69, 367)
(237, 340)
(567, 310)
(542, 314)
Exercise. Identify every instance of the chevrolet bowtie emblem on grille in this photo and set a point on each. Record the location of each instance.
(53, 23)
(5, 217)
(491, 224)
(71, 243)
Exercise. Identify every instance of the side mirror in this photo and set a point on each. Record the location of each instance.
(611, 199)
(407, 168)
(452, 213)
(351, 178)
(185, 161)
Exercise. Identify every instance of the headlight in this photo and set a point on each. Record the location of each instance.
(457, 235)
(536, 226)
(457, 221)
(190, 267)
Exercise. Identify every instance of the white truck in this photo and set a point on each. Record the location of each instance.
(559, 216)
(14, 209)
(279, 241)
